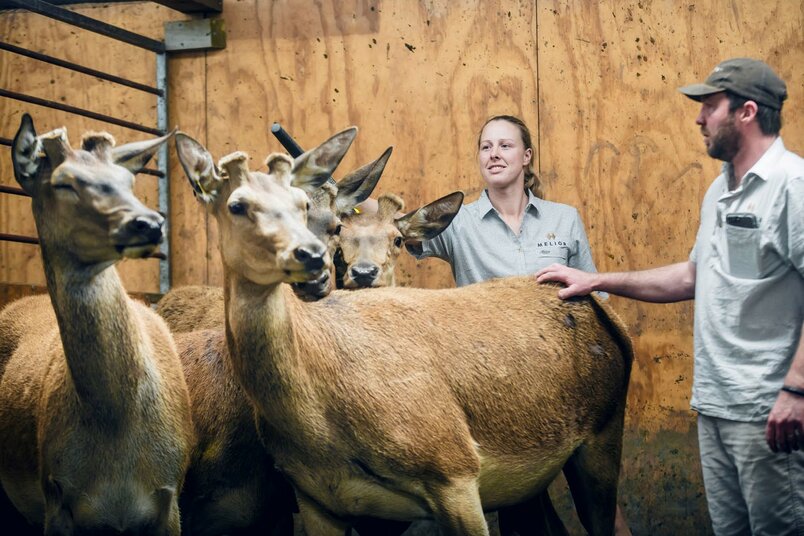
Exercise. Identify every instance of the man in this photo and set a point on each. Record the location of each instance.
(746, 273)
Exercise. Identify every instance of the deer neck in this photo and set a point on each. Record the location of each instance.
(262, 330)
(99, 332)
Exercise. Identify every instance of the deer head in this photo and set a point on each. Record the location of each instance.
(371, 243)
(262, 217)
(83, 202)
(328, 204)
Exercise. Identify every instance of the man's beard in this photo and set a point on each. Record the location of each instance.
(725, 143)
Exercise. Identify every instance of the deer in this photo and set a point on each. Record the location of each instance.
(95, 424)
(200, 307)
(370, 244)
(231, 482)
(408, 403)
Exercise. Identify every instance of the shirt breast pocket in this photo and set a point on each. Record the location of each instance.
(553, 254)
(743, 250)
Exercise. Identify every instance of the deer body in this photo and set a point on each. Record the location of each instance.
(408, 403)
(95, 429)
(232, 483)
(372, 393)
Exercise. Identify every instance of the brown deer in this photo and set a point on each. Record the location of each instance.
(409, 403)
(95, 427)
(199, 307)
(371, 243)
(231, 482)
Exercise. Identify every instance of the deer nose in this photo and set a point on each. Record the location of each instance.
(310, 259)
(364, 273)
(147, 227)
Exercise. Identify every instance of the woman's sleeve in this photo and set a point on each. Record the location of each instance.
(582, 258)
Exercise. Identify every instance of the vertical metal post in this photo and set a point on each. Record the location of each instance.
(164, 180)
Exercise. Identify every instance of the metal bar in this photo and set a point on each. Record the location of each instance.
(79, 68)
(286, 140)
(87, 23)
(6, 141)
(18, 238)
(79, 111)
(164, 179)
(185, 6)
(193, 6)
(13, 190)
(152, 172)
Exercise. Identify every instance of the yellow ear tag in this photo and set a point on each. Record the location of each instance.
(356, 210)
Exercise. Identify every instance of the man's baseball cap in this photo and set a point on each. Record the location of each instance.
(751, 79)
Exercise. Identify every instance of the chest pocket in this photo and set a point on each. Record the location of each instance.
(743, 250)
(555, 253)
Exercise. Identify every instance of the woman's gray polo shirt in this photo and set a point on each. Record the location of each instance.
(749, 288)
(479, 245)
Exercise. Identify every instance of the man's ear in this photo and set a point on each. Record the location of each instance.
(748, 111)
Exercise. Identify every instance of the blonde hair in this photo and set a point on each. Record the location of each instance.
(532, 181)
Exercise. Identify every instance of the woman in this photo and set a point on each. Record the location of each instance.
(512, 230)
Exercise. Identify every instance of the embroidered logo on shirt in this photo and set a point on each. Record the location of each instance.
(551, 243)
(551, 236)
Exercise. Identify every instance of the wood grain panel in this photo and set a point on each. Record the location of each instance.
(21, 263)
(421, 76)
(619, 142)
(596, 82)
(190, 225)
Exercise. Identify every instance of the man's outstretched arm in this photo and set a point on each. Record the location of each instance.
(672, 283)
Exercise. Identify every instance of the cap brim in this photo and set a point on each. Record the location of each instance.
(699, 91)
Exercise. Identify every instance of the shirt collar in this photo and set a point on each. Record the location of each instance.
(764, 167)
(484, 203)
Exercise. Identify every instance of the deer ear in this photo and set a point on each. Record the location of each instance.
(357, 186)
(431, 219)
(134, 156)
(313, 168)
(198, 167)
(26, 155)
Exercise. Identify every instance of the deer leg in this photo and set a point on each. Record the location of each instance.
(592, 473)
(317, 522)
(534, 517)
(456, 507)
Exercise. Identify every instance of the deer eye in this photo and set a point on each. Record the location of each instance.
(398, 242)
(237, 208)
(64, 186)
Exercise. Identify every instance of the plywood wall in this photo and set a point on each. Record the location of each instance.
(21, 263)
(596, 82)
